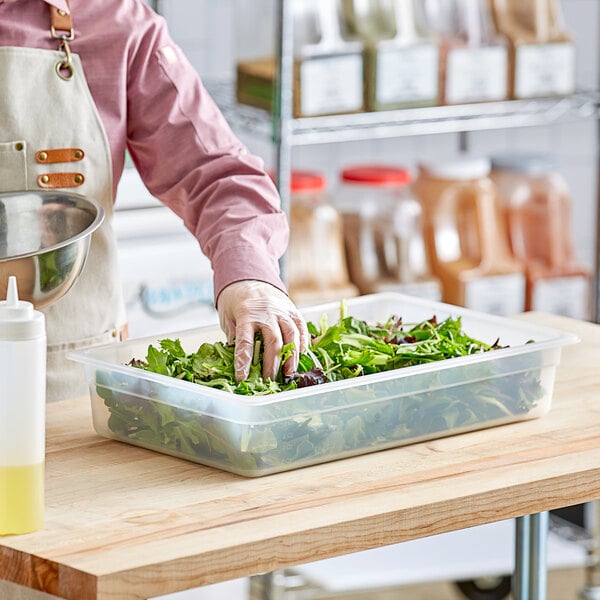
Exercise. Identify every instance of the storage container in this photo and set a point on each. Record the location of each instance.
(542, 52)
(383, 232)
(316, 258)
(473, 56)
(328, 69)
(255, 436)
(466, 238)
(401, 66)
(537, 205)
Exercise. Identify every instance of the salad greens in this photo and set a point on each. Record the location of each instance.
(346, 349)
(330, 422)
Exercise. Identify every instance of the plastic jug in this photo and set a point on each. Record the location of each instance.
(401, 60)
(474, 57)
(466, 239)
(328, 69)
(317, 269)
(542, 52)
(537, 205)
(22, 414)
(383, 232)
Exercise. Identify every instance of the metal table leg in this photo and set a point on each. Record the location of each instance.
(521, 575)
(591, 590)
(530, 576)
(538, 537)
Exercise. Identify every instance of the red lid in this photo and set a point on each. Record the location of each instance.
(305, 181)
(376, 175)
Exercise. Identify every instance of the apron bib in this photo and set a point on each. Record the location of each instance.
(51, 136)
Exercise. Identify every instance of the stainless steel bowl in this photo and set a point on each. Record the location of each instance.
(44, 241)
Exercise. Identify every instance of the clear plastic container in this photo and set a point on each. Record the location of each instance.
(328, 69)
(383, 232)
(466, 238)
(316, 263)
(401, 60)
(542, 52)
(473, 56)
(537, 202)
(254, 436)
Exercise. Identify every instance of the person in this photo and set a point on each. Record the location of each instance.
(90, 80)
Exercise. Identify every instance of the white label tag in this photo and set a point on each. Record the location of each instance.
(407, 74)
(497, 295)
(331, 84)
(567, 296)
(545, 69)
(476, 74)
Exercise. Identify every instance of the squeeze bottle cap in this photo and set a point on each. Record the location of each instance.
(18, 319)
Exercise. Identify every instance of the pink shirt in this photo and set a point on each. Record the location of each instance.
(152, 102)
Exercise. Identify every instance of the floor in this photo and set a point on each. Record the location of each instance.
(562, 585)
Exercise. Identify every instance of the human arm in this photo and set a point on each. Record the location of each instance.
(189, 158)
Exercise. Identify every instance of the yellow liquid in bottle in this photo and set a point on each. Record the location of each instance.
(21, 498)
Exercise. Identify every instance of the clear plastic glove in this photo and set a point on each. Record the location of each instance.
(246, 307)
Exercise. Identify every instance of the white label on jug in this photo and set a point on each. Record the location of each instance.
(545, 69)
(567, 296)
(497, 294)
(407, 74)
(332, 84)
(474, 74)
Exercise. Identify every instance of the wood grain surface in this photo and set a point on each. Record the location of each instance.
(127, 523)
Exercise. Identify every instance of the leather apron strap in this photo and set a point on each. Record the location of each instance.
(61, 24)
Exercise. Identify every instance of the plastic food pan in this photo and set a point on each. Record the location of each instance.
(259, 435)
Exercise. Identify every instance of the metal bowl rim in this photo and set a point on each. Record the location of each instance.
(100, 214)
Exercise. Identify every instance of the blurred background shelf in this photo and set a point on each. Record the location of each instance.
(583, 105)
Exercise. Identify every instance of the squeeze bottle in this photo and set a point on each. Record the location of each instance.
(22, 414)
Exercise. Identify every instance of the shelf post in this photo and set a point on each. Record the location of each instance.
(283, 107)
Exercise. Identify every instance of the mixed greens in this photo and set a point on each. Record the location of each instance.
(349, 348)
(331, 422)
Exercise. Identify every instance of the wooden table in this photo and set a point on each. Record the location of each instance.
(126, 523)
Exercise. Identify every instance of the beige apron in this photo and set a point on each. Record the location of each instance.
(51, 136)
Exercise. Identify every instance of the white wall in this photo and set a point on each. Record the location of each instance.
(205, 30)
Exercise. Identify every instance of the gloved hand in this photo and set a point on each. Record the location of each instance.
(246, 307)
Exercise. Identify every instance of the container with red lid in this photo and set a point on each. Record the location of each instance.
(383, 231)
(317, 269)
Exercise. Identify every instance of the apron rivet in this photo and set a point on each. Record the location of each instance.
(78, 154)
(43, 155)
(18, 146)
(62, 13)
(78, 179)
(45, 179)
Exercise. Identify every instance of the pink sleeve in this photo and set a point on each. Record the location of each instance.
(189, 158)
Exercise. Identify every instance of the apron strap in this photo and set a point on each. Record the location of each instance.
(61, 24)
(61, 29)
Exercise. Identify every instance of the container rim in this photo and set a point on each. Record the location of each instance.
(554, 338)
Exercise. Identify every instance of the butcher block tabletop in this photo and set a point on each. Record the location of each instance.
(123, 522)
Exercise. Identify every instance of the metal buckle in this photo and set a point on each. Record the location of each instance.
(66, 64)
(63, 36)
